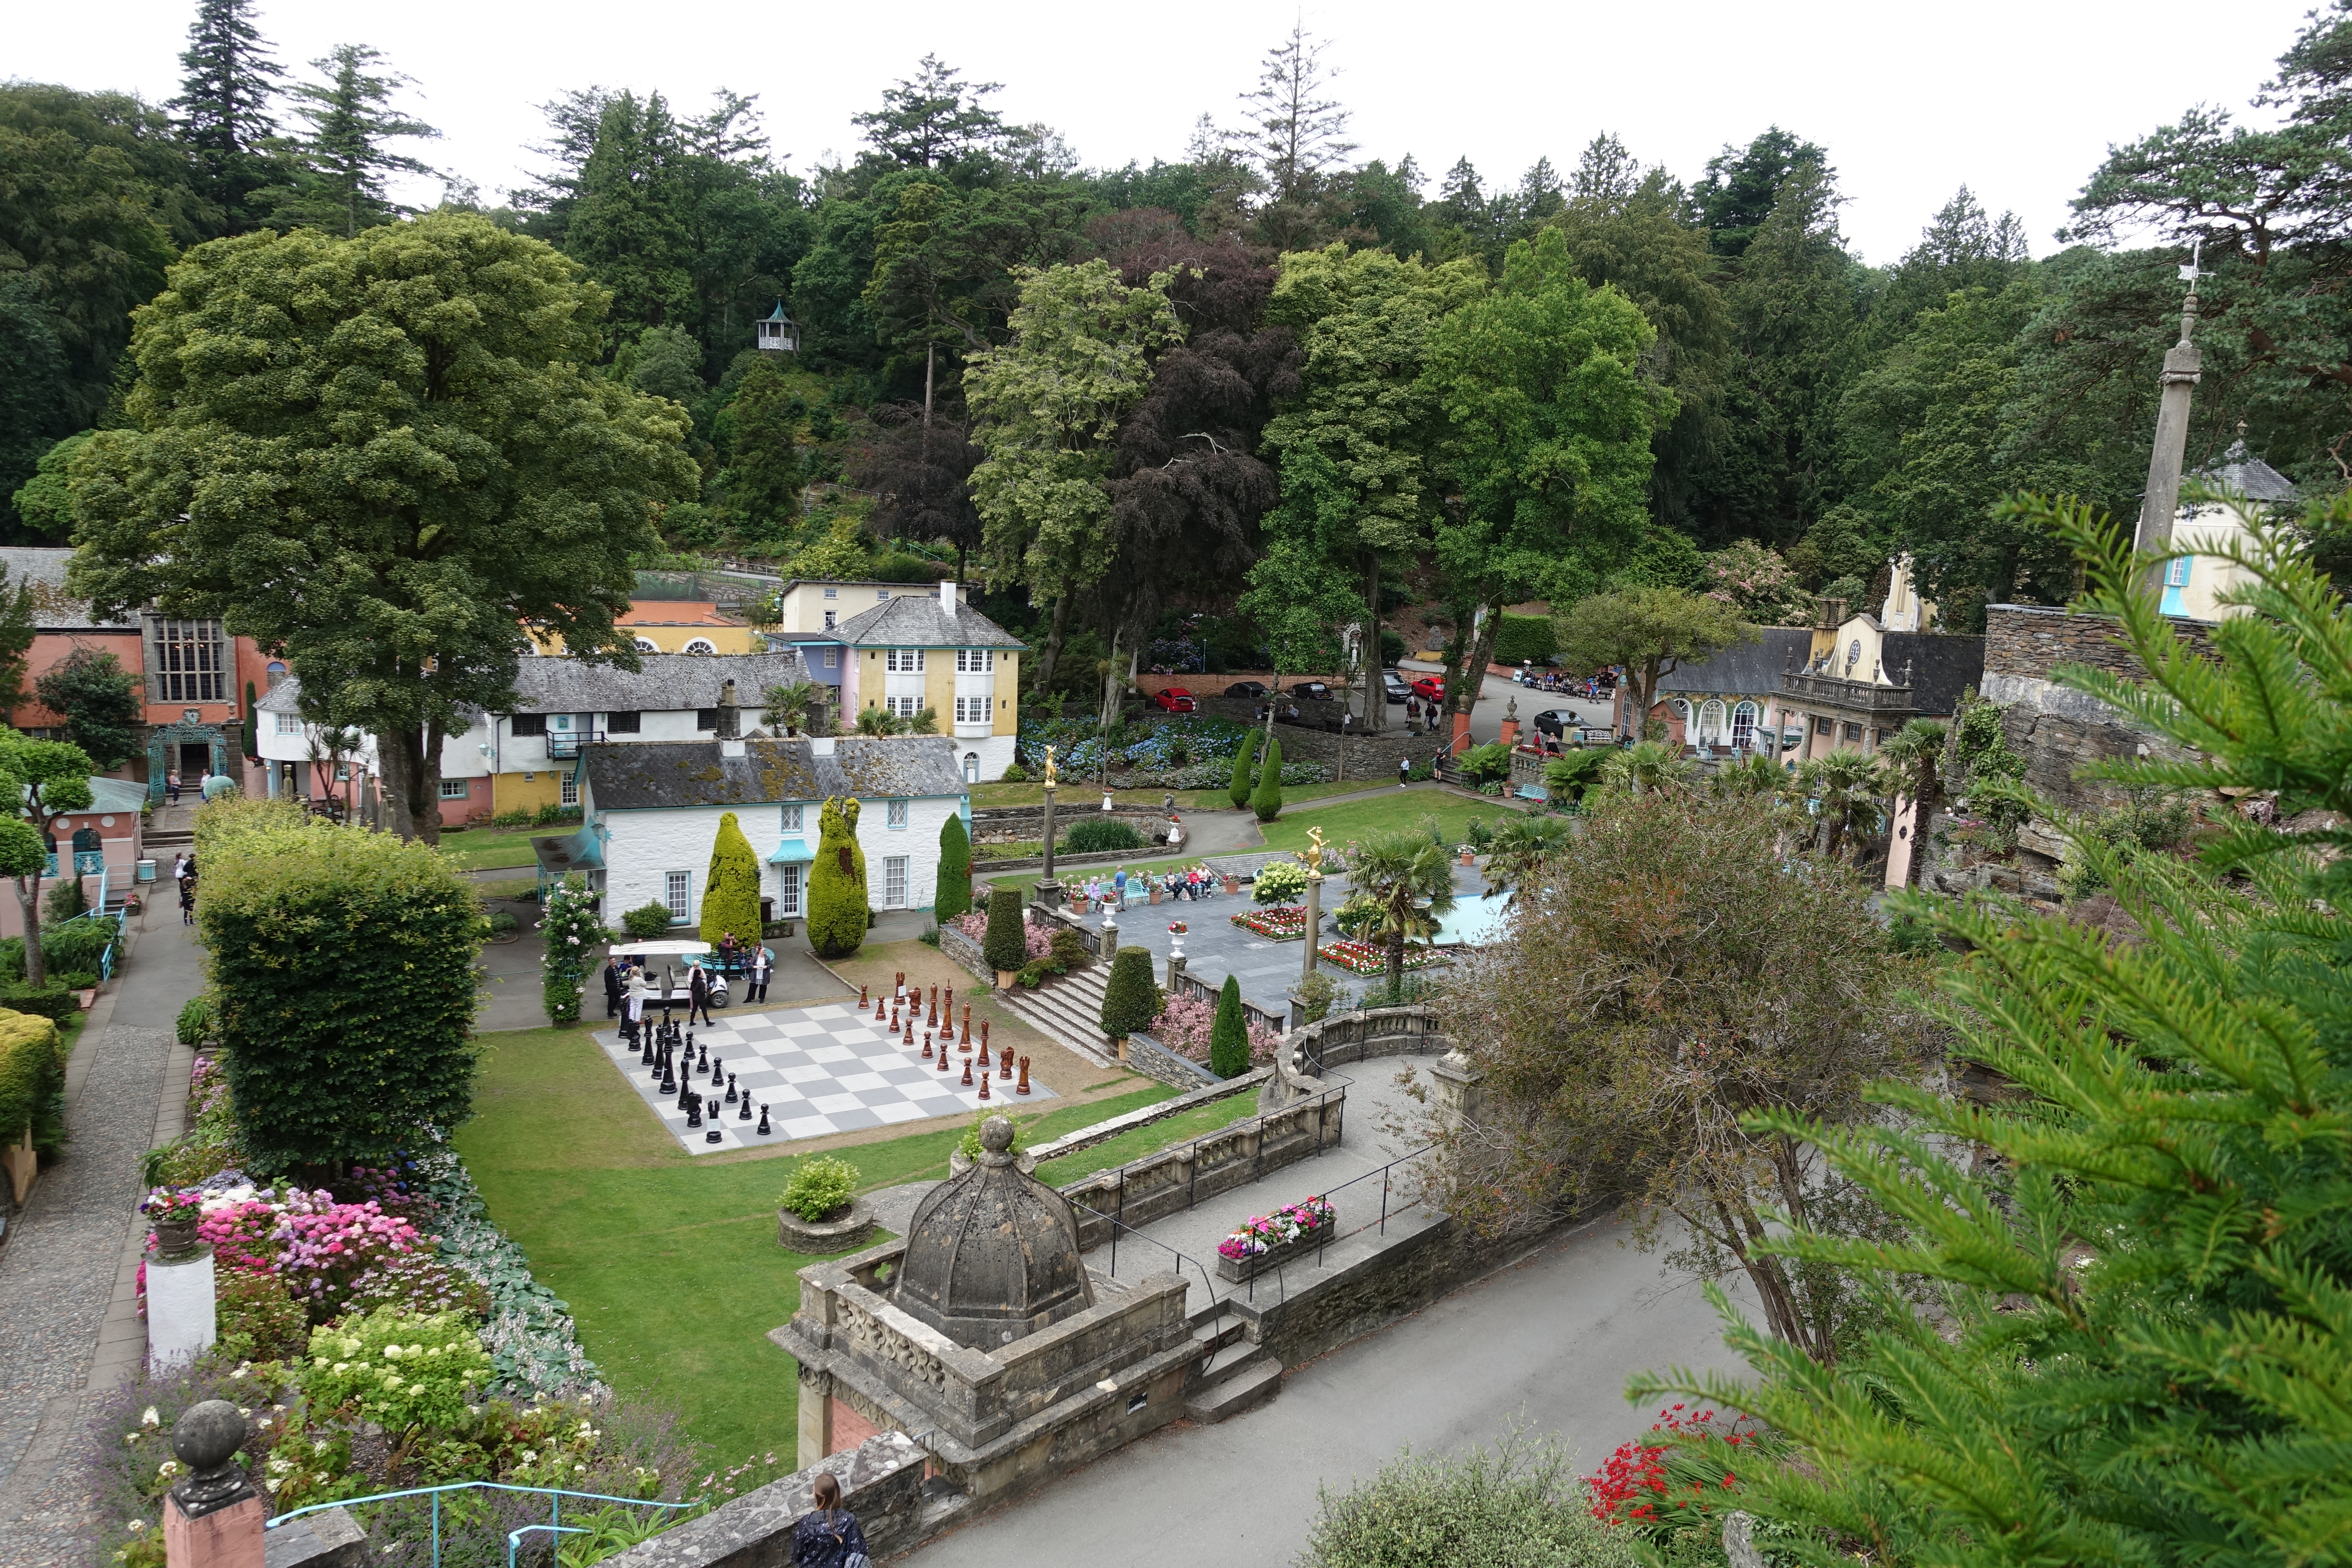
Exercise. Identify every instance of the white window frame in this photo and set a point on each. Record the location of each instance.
(895, 881)
(832, 593)
(975, 661)
(568, 792)
(904, 706)
(699, 645)
(451, 789)
(677, 896)
(290, 724)
(895, 812)
(793, 817)
(902, 661)
(972, 710)
(2176, 573)
(788, 890)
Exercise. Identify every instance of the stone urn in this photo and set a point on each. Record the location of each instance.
(176, 1237)
(850, 1226)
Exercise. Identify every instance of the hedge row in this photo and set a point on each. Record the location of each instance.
(32, 1081)
(1522, 639)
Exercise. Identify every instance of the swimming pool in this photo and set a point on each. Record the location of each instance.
(1477, 922)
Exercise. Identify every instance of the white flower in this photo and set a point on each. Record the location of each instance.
(148, 1417)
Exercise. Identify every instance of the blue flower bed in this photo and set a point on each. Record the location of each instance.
(1204, 738)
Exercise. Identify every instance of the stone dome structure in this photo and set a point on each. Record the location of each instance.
(992, 1254)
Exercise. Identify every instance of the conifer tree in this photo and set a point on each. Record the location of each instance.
(837, 905)
(1130, 1001)
(1007, 948)
(345, 161)
(731, 893)
(953, 896)
(221, 115)
(1244, 777)
(1268, 800)
(1229, 1048)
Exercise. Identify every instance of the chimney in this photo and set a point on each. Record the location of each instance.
(731, 726)
(948, 596)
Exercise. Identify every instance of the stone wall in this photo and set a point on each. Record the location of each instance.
(1369, 757)
(2031, 641)
(1175, 1179)
(881, 1483)
(1367, 1035)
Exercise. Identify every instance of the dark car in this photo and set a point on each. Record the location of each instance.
(1556, 721)
(1246, 688)
(1397, 688)
(1313, 690)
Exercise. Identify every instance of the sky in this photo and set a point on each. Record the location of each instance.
(2017, 100)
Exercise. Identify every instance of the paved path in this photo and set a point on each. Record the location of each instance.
(1549, 1339)
(66, 1276)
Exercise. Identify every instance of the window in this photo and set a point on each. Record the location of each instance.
(1852, 655)
(647, 644)
(903, 661)
(832, 654)
(675, 886)
(1820, 726)
(896, 813)
(705, 719)
(1743, 725)
(276, 671)
(1853, 731)
(792, 823)
(701, 645)
(570, 794)
(788, 891)
(904, 706)
(290, 724)
(622, 724)
(894, 881)
(882, 595)
(832, 593)
(972, 710)
(975, 661)
(828, 627)
(190, 662)
(2176, 573)
(454, 789)
(530, 724)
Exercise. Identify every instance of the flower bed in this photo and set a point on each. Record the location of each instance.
(1275, 922)
(1269, 1238)
(1368, 958)
(1184, 1024)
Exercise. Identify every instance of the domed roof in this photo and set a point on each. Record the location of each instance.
(992, 1254)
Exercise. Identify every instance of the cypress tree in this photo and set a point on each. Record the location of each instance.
(952, 897)
(1267, 801)
(1240, 786)
(1130, 1001)
(1005, 946)
(836, 889)
(1229, 1048)
(221, 115)
(730, 896)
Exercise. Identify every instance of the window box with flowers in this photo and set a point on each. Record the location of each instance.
(1274, 1238)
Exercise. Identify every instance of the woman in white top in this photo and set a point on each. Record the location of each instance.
(637, 995)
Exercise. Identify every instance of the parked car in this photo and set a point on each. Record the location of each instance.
(1431, 686)
(1313, 690)
(1175, 700)
(1246, 688)
(1556, 721)
(1397, 688)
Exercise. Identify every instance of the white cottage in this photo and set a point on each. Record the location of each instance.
(651, 811)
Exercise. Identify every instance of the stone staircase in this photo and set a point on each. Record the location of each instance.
(1068, 1011)
(1235, 1374)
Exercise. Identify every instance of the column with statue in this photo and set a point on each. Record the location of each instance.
(1049, 891)
(1313, 856)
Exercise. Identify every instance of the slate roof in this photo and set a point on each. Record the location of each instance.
(54, 609)
(2242, 473)
(1942, 667)
(920, 620)
(669, 681)
(1751, 669)
(674, 774)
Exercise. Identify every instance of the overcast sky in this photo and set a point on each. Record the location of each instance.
(2016, 99)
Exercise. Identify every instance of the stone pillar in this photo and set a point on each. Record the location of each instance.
(816, 1415)
(2181, 370)
(1461, 741)
(1460, 1089)
(180, 1321)
(1048, 891)
(1314, 924)
(213, 1518)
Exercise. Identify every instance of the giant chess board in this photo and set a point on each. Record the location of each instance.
(822, 1069)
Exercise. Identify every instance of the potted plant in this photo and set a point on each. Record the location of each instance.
(175, 1214)
(818, 1211)
(1270, 1238)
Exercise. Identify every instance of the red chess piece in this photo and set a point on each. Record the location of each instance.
(947, 1001)
(877, 1009)
(927, 1044)
(983, 1035)
(966, 1047)
(861, 998)
(984, 1086)
(894, 1020)
(943, 1058)
(908, 1038)
(1005, 1063)
(966, 1072)
(966, 1020)
(1023, 1087)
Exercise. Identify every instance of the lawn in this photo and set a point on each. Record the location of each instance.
(494, 848)
(1136, 1144)
(670, 1263)
(1088, 796)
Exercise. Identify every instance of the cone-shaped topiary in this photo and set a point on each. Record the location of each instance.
(1267, 801)
(1005, 946)
(1130, 1001)
(1229, 1034)
(731, 895)
(1244, 777)
(952, 897)
(836, 887)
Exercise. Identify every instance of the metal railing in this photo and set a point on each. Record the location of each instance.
(1117, 1225)
(1331, 1233)
(106, 957)
(563, 743)
(554, 1525)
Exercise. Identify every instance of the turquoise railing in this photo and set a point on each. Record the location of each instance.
(98, 912)
(89, 862)
(554, 1525)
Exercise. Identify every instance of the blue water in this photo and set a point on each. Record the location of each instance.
(1475, 921)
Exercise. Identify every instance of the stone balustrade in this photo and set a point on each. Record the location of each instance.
(1372, 1033)
(1174, 1179)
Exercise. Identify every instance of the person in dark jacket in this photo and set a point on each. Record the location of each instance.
(828, 1536)
(612, 987)
(698, 995)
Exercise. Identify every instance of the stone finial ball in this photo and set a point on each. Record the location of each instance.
(996, 1134)
(207, 1436)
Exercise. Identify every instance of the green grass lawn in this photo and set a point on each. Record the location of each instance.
(669, 1262)
(1088, 796)
(1136, 1144)
(494, 849)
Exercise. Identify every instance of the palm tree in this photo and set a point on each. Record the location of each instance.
(880, 721)
(1521, 848)
(1753, 775)
(789, 704)
(1411, 881)
(1844, 788)
(926, 722)
(1912, 764)
(1644, 766)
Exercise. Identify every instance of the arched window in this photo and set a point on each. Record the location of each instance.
(1710, 721)
(972, 767)
(1852, 657)
(701, 645)
(275, 671)
(647, 644)
(1743, 725)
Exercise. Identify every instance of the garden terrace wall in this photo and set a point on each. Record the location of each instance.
(1365, 1035)
(1187, 984)
(1175, 1179)
(1372, 758)
(881, 1483)
(1085, 1138)
(1079, 803)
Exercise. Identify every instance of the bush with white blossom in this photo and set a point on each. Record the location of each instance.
(572, 929)
(399, 1370)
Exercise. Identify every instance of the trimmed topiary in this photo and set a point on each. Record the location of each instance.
(647, 921)
(1006, 946)
(1267, 801)
(952, 895)
(730, 898)
(837, 914)
(32, 1081)
(1131, 1000)
(1243, 774)
(1229, 1049)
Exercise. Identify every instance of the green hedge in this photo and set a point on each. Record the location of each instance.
(1006, 946)
(1524, 639)
(55, 1002)
(731, 894)
(951, 894)
(32, 1080)
(343, 984)
(1131, 1000)
(1100, 836)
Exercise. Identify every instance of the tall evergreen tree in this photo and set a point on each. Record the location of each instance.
(625, 224)
(1296, 131)
(221, 115)
(1742, 185)
(345, 159)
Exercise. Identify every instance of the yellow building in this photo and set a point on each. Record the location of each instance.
(675, 625)
(913, 652)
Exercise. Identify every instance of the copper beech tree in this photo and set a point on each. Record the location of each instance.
(1671, 976)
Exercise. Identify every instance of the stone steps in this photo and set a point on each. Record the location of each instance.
(1067, 1011)
(1245, 1390)
(1235, 1374)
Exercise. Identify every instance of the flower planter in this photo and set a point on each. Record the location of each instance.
(1240, 1268)
(851, 1225)
(1469, 858)
(1005, 978)
(175, 1238)
(1233, 885)
(1155, 895)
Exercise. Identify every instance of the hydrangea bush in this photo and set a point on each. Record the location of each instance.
(399, 1370)
(1185, 1022)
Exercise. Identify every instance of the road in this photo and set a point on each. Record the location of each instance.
(1549, 1339)
(1495, 696)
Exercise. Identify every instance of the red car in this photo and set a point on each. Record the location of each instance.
(1176, 699)
(1431, 686)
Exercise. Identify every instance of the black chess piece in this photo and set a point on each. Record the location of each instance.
(712, 1136)
(763, 1121)
(704, 1066)
(743, 1113)
(718, 1070)
(668, 1082)
(694, 1110)
(685, 1091)
(730, 1088)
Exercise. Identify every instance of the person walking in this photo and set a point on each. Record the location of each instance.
(761, 967)
(698, 995)
(828, 1536)
(172, 785)
(187, 900)
(1404, 772)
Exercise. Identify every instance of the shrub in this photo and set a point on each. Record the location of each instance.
(257, 1320)
(1006, 946)
(78, 946)
(1279, 882)
(571, 930)
(646, 922)
(1267, 801)
(195, 1020)
(55, 1001)
(397, 1369)
(1243, 775)
(838, 912)
(971, 1144)
(1069, 949)
(66, 900)
(1520, 639)
(1015, 774)
(1100, 836)
(1487, 763)
(730, 896)
(818, 1188)
(1516, 1504)
(1131, 1000)
(1570, 774)
(1318, 992)
(32, 1080)
(951, 895)
(1229, 1049)
(504, 924)
(342, 967)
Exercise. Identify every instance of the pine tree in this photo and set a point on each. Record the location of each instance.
(1130, 1001)
(1268, 800)
(1006, 947)
(341, 186)
(731, 894)
(1228, 1047)
(953, 896)
(627, 225)
(837, 892)
(761, 484)
(221, 115)
(1244, 778)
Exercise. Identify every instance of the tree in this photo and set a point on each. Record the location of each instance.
(1229, 1045)
(933, 119)
(952, 894)
(2136, 1256)
(1844, 787)
(17, 630)
(790, 703)
(1005, 946)
(491, 481)
(762, 483)
(103, 705)
(669, 364)
(1913, 760)
(1130, 1001)
(344, 160)
(221, 115)
(49, 780)
(1294, 130)
(624, 224)
(730, 892)
(837, 904)
(1643, 768)
(1523, 848)
(1244, 777)
(1408, 879)
(1742, 186)
(1266, 799)
(1648, 633)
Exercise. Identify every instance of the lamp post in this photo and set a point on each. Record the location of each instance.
(1048, 890)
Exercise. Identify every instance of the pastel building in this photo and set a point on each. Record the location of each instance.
(2194, 585)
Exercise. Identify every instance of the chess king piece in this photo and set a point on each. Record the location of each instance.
(966, 1072)
(764, 1131)
(1005, 1063)
(1023, 1087)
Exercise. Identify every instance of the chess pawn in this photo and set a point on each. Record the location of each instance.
(743, 1112)
(861, 998)
(730, 1087)
(943, 1058)
(763, 1122)
(877, 1009)
(1023, 1087)
(908, 1038)
(1005, 1063)
(718, 1071)
(966, 1072)
(894, 1020)
(704, 1066)
(927, 1044)
(983, 1081)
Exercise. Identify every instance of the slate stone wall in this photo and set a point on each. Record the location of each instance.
(2031, 641)
(881, 1483)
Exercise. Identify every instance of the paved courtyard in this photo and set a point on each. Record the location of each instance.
(813, 1071)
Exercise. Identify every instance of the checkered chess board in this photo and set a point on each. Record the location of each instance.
(821, 1070)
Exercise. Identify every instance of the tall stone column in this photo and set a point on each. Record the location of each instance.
(1314, 924)
(2179, 383)
(1048, 890)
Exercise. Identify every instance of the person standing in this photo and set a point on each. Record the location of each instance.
(612, 987)
(187, 900)
(828, 1536)
(761, 965)
(698, 995)
(1404, 772)
(635, 1002)
(172, 785)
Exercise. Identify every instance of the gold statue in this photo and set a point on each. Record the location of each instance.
(1050, 780)
(1313, 853)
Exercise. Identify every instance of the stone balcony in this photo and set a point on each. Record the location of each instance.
(1886, 703)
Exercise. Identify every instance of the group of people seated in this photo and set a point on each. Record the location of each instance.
(1123, 888)
(1588, 686)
